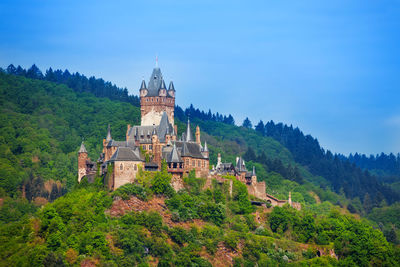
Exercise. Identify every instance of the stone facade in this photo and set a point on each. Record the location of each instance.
(125, 172)
(152, 109)
(154, 141)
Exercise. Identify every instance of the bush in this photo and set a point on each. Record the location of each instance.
(132, 190)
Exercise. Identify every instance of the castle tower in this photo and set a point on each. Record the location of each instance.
(155, 99)
(197, 135)
(82, 158)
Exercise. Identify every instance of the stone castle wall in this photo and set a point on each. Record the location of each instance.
(125, 172)
(152, 109)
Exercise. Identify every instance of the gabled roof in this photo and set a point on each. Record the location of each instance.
(116, 143)
(189, 149)
(126, 154)
(82, 149)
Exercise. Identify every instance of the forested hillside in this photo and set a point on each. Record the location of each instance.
(45, 117)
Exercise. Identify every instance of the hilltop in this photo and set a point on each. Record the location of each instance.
(42, 123)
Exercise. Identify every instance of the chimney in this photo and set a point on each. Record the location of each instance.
(219, 159)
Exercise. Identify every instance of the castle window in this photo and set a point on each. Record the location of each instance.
(150, 147)
(193, 163)
(121, 167)
(198, 163)
(157, 99)
(187, 162)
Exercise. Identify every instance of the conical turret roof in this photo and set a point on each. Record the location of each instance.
(189, 137)
(174, 157)
(162, 86)
(82, 149)
(205, 149)
(143, 85)
(171, 86)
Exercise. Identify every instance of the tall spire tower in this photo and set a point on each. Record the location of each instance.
(155, 99)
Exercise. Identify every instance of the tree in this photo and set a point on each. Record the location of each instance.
(247, 123)
(250, 155)
(367, 203)
(260, 128)
(11, 69)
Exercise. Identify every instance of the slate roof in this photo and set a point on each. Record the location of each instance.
(189, 149)
(143, 85)
(173, 156)
(171, 86)
(155, 83)
(240, 165)
(116, 143)
(82, 149)
(144, 133)
(188, 135)
(126, 154)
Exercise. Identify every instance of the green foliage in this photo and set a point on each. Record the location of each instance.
(161, 184)
(242, 204)
(128, 190)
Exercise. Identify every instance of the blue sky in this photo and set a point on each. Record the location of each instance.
(332, 68)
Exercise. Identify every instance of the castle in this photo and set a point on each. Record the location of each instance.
(155, 140)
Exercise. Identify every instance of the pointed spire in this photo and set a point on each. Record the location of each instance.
(82, 148)
(154, 131)
(205, 147)
(254, 171)
(174, 157)
(189, 137)
(162, 86)
(171, 86)
(143, 85)
(108, 139)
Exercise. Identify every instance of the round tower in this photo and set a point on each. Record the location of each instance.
(82, 158)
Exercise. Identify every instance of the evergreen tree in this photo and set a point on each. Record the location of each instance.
(260, 128)
(247, 123)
